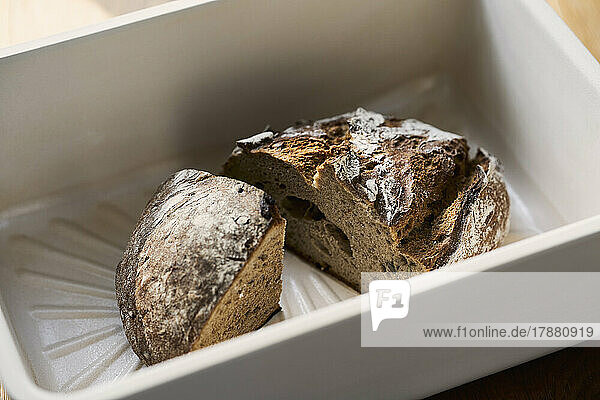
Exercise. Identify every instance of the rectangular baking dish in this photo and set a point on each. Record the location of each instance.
(92, 120)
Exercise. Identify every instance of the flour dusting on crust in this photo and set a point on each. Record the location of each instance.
(487, 219)
(192, 240)
(415, 184)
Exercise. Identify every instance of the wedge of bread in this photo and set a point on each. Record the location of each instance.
(203, 265)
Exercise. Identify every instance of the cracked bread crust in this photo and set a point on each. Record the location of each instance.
(399, 166)
(477, 220)
(193, 239)
(403, 180)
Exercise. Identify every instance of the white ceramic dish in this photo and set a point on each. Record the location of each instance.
(91, 120)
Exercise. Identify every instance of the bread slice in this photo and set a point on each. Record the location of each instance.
(362, 192)
(203, 265)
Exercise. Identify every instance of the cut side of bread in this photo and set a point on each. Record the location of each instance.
(363, 192)
(203, 265)
(242, 307)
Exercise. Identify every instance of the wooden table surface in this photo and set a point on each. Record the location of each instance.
(566, 374)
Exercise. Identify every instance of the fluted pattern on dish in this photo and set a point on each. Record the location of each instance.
(71, 265)
(66, 267)
(306, 288)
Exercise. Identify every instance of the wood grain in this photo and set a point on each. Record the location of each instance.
(24, 20)
(567, 374)
(583, 17)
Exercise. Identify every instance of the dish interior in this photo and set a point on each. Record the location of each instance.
(58, 257)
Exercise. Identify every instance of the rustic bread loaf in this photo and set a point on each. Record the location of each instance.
(203, 265)
(362, 192)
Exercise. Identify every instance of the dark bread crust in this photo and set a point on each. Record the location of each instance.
(477, 220)
(407, 182)
(398, 168)
(192, 240)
